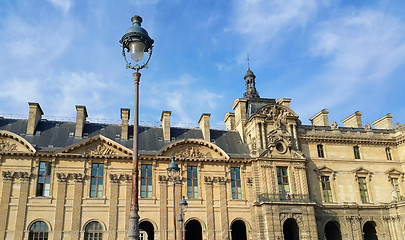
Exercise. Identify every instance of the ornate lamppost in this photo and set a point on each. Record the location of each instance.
(136, 41)
(173, 172)
(183, 208)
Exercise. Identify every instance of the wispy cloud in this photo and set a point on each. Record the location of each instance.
(362, 49)
(64, 5)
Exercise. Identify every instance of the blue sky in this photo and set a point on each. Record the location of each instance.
(345, 56)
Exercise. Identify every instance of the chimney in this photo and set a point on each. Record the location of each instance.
(284, 101)
(384, 122)
(321, 118)
(35, 114)
(205, 126)
(353, 120)
(229, 120)
(165, 119)
(80, 120)
(125, 114)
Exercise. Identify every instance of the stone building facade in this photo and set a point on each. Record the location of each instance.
(267, 176)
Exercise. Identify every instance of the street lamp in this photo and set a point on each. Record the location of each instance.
(136, 41)
(183, 208)
(173, 172)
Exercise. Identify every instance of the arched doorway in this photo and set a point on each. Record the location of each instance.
(149, 229)
(238, 230)
(193, 230)
(332, 231)
(369, 231)
(291, 230)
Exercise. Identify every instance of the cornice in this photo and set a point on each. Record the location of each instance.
(352, 140)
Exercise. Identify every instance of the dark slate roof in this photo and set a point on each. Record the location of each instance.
(54, 135)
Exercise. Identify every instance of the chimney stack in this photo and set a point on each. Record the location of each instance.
(321, 118)
(165, 119)
(205, 126)
(384, 122)
(125, 114)
(284, 101)
(80, 120)
(353, 120)
(229, 120)
(35, 114)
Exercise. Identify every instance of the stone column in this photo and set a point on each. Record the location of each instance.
(163, 207)
(210, 208)
(22, 204)
(60, 205)
(113, 211)
(5, 200)
(224, 209)
(77, 206)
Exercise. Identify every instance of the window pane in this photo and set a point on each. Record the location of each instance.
(46, 190)
(143, 171)
(149, 170)
(194, 172)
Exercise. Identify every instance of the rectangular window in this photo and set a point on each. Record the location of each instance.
(320, 151)
(235, 183)
(146, 181)
(356, 152)
(283, 185)
(326, 189)
(192, 182)
(44, 179)
(363, 190)
(388, 153)
(97, 173)
(395, 185)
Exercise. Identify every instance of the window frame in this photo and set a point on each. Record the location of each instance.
(99, 189)
(327, 194)
(283, 181)
(363, 189)
(41, 187)
(396, 187)
(148, 180)
(356, 152)
(93, 232)
(45, 231)
(388, 153)
(192, 177)
(236, 184)
(321, 150)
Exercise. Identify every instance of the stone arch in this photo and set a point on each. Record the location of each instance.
(291, 229)
(194, 235)
(40, 220)
(240, 233)
(179, 150)
(203, 226)
(248, 226)
(370, 230)
(332, 230)
(94, 220)
(17, 138)
(155, 226)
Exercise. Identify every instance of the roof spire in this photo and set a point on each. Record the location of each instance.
(248, 60)
(250, 91)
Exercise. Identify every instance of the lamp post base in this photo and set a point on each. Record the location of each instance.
(133, 229)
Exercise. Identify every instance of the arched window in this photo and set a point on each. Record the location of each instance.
(38, 231)
(93, 231)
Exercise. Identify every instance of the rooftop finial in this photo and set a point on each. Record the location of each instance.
(248, 60)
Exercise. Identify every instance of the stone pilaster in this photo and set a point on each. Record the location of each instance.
(210, 207)
(113, 211)
(224, 209)
(5, 200)
(163, 207)
(22, 204)
(60, 205)
(77, 206)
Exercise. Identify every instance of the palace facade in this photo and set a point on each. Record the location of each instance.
(267, 176)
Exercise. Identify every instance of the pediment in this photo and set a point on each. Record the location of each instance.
(193, 149)
(97, 145)
(362, 172)
(11, 142)
(394, 172)
(325, 170)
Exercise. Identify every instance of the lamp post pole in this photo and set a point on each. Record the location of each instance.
(173, 172)
(183, 208)
(136, 41)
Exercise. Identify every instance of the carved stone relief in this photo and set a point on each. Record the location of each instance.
(6, 146)
(192, 152)
(100, 149)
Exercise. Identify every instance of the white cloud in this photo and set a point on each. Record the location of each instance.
(64, 5)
